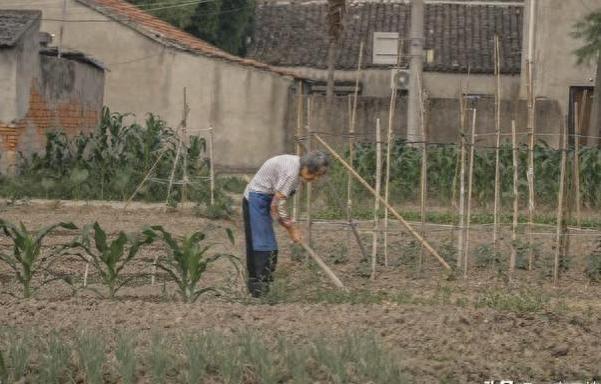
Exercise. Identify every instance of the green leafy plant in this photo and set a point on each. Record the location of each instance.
(26, 258)
(197, 357)
(18, 355)
(159, 359)
(188, 259)
(108, 257)
(486, 257)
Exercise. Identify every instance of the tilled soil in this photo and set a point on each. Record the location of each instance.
(448, 340)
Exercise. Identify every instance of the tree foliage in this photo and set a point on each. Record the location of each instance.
(588, 30)
(227, 24)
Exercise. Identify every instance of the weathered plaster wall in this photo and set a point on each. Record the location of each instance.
(443, 119)
(555, 64)
(64, 94)
(376, 82)
(247, 107)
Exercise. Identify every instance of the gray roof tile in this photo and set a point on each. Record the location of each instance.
(295, 34)
(13, 23)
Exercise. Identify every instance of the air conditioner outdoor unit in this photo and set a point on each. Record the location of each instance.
(399, 79)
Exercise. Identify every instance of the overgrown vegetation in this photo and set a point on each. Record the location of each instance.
(211, 356)
(111, 162)
(443, 175)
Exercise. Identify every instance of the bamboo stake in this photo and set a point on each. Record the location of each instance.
(351, 143)
(365, 184)
(299, 127)
(577, 127)
(560, 203)
(146, 177)
(323, 265)
(185, 179)
(423, 171)
(514, 225)
(374, 245)
(212, 161)
(309, 185)
(530, 171)
(495, 233)
(461, 238)
(391, 110)
(469, 194)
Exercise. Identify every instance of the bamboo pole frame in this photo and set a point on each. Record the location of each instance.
(365, 184)
(469, 193)
(560, 204)
(577, 132)
(423, 171)
(212, 163)
(530, 171)
(299, 127)
(351, 144)
(309, 185)
(389, 142)
(462, 156)
(374, 244)
(497, 195)
(514, 225)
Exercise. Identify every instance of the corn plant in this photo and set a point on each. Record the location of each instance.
(188, 260)
(108, 258)
(26, 258)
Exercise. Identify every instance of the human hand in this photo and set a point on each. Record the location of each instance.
(295, 234)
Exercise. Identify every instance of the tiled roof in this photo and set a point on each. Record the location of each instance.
(72, 54)
(460, 35)
(13, 23)
(165, 33)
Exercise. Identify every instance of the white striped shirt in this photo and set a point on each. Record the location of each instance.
(278, 174)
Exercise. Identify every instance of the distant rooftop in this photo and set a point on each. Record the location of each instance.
(459, 36)
(14, 23)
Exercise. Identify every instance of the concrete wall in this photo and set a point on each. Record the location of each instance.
(443, 118)
(376, 82)
(555, 63)
(247, 107)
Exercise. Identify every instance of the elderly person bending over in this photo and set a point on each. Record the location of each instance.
(266, 197)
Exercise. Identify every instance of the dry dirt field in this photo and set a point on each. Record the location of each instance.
(444, 328)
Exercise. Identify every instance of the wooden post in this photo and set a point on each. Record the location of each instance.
(560, 203)
(514, 225)
(374, 245)
(394, 213)
(462, 156)
(577, 129)
(309, 185)
(495, 232)
(62, 29)
(469, 194)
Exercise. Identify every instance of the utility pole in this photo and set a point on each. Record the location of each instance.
(416, 67)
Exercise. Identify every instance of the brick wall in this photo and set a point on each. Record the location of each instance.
(28, 134)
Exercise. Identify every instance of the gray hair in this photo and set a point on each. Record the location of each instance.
(315, 161)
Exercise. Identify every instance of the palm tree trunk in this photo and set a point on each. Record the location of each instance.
(594, 127)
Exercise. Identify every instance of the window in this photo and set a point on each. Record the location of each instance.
(386, 46)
